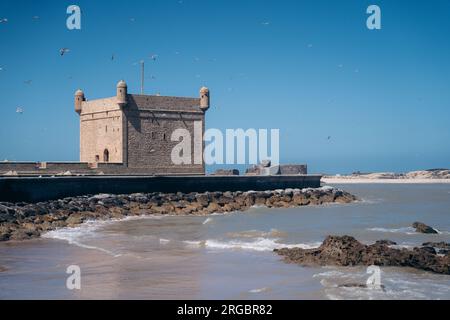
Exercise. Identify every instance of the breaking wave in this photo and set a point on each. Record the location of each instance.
(404, 230)
(259, 244)
(259, 290)
(208, 220)
(345, 283)
(76, 235)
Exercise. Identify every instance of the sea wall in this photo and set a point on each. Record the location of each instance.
(35, 189)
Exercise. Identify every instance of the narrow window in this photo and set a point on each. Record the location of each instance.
(106, 155)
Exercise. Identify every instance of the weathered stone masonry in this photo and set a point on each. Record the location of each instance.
(135, 130)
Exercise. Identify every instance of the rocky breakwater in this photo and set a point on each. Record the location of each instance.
(20, 221)
(347, 251)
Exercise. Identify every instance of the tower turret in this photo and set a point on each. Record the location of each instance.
(79, 98)
(204, 98)
(121, 93)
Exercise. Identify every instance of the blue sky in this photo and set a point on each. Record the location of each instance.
(310, 68)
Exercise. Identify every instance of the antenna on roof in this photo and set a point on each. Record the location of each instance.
(142, 76)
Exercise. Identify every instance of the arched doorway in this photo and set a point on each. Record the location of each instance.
(106, 155)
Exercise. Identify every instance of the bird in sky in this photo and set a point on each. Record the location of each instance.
(28, 82)
(3, 20)
(35, 18)
(329, 138)
(265, 23)
(112, 57)
(63, 51)
(1, 68)
(153, 57)
(19, 110)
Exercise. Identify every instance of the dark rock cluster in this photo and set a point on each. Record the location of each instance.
(347, 251)
(19, 221)
(423, 228)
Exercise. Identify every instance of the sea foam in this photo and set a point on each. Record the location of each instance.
(75, 235)
(258, 244)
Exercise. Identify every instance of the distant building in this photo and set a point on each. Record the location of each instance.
(265, 168)
(132, 132)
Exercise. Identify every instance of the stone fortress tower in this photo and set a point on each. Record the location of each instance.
(132, 133)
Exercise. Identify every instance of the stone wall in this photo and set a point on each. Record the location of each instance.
(34, 189)
(44, 168)
(84, 169)
(293, 169)
(151, 120)
(18, 166)
(101, 136)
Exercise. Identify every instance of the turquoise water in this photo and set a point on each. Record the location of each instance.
(230, 256)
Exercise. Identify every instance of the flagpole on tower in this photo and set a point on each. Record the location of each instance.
(142, 76)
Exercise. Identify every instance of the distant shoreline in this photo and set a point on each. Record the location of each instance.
(336, 180)
(423, 176)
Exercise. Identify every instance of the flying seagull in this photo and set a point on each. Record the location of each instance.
(154, 57)
(265, 23)
(3, 20)
(19, 110)
(63, 51)
(329, 138)
(112, 57)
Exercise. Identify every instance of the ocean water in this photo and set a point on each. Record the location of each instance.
(230, 256)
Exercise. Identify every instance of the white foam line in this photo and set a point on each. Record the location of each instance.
(259, 290)
(72, 235)
(405, 230)
(207, 220)
(259, 244)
